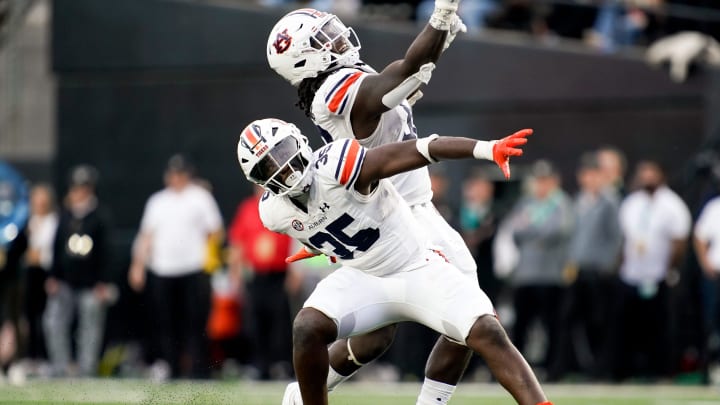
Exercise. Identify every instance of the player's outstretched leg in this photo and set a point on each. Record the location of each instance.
(448, 361)
(346, 357)
(488, 339)
(443, 370)
(312, 332)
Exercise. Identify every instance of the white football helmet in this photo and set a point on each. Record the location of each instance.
(276, 155)
(306, 42)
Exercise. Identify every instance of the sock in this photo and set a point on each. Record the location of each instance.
(545, 403)
(334, 378)
(435, 393)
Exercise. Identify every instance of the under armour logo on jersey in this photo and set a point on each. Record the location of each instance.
(282, 42)
(324, 207)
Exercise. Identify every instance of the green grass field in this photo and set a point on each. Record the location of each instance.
(245, 393)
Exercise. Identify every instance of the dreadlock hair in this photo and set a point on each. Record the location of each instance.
(307, 89)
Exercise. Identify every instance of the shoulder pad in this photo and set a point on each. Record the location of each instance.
(340, 161)
(337, 89)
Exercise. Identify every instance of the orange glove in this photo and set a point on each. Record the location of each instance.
(303, 254)
(508, 146)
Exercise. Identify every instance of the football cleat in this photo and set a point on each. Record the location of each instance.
(292, 395)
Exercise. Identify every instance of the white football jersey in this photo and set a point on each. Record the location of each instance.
(375, 233)
(331, 109)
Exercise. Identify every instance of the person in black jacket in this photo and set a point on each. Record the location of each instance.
(78, 278)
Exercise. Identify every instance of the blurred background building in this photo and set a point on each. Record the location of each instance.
(121, 85)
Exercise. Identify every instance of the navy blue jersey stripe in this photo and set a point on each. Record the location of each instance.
(357, 168)
(340, 160)
(327, 99)
(342, 106)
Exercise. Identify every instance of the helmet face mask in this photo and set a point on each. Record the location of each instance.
(282, 169)
(336, 37)
(275, 155)
(307, 42)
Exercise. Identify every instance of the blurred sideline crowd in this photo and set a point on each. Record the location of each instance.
(589, 285)
(606, 25)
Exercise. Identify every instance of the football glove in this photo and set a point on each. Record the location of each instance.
(508, 146)
(682, 50)
(303, 253)
(500, 151)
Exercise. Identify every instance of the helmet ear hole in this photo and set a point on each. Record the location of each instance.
(243, 160)
(300, 64)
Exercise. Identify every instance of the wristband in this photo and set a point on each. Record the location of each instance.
(423, 146)
(443, 15)
(441, 19)
(484, 150)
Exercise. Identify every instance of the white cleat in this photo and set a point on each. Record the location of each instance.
(292, 395)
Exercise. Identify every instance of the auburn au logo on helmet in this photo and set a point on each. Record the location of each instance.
(282, 42)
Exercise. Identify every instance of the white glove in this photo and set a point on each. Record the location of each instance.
(456, 26)
(449, 5)
(683, 49)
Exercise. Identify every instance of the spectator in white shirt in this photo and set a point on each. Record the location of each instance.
(38, 261)
(655, 223)
(176, 227)
(706, 241)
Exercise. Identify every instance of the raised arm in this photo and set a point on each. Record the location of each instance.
(401, 78)
(391, 159)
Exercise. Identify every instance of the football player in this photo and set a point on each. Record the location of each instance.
(336, 201)
(346, 98)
